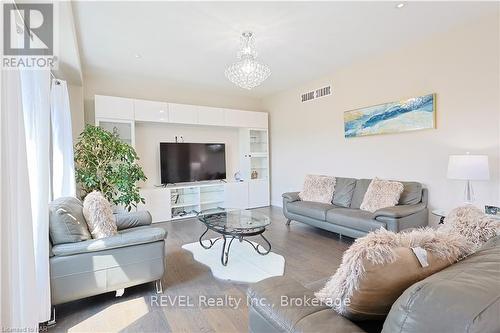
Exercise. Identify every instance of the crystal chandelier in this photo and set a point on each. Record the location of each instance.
(247, 72)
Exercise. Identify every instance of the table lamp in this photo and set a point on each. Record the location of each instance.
(468, 167)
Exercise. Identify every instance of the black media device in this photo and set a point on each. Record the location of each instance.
(190, 162)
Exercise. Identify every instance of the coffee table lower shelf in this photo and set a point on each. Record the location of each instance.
(226, 246)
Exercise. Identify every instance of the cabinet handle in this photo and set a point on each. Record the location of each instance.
(249, 155)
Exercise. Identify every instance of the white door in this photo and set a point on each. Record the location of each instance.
(245, 156)
(150, 111)
(236, 195)
(258, 193)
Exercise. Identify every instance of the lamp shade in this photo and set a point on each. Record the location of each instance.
(468, 167)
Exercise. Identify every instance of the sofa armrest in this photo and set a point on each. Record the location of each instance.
(133, 219)
(124, 238)
(399, 211)
(291, 196)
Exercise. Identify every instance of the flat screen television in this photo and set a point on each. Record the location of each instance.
(189, 162)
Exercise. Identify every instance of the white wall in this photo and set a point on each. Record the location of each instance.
(76, 106)
(149, 136)
(461, 67)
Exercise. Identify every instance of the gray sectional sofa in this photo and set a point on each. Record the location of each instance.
(344, 217)
(464, 297)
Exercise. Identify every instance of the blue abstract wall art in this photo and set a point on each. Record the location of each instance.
(411, 114)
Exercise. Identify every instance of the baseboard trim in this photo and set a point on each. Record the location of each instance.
(277, 203)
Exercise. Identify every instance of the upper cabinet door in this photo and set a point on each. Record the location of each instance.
(248, 119)
(183, 114)
(114, 107)
(210, 116)
(150, 111)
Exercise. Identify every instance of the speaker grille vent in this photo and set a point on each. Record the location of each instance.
(318, 93)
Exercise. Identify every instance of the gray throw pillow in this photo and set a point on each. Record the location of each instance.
(66, 221)
(344, 189)
(412, 193)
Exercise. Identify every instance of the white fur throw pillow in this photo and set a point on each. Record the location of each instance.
(379, 267)
(318, 189)
(470, 222)
(381, 194)
(99, 215)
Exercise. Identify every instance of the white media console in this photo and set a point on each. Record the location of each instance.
(179, 201)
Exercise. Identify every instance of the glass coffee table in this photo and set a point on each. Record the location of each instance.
(234, 224)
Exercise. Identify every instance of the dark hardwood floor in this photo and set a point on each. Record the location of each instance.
(310, 254)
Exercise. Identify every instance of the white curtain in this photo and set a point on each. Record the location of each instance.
(36, 107)
(18, 308)
(63, 168)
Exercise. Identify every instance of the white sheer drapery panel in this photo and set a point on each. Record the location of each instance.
(63, 165)
(18, 294)
(36, 107)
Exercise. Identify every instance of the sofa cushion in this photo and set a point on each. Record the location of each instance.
(312, 209)
(344, 189)
(66, 221)
(377, 268)
(124, 238)
(270, 313)
(381, 194)
(318, 188)
(412, 193)
(326, 321)
(269, 299)
(464, 297)
(132, 219)
(359, 192)
(99, 215)
(354, 219)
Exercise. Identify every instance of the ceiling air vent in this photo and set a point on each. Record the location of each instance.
(321, 92)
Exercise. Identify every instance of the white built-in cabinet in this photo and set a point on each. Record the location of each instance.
(151, 111)
(183, 114)
(254, 164)
(111, 107)
(125, 129)
(236, 195)
(114, 107)
(237, 118)
(157, 203)
(211, 116)
(118, 115)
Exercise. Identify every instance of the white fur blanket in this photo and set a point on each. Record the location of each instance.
(466, 229)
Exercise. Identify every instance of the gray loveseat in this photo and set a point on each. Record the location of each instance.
(344, 217)
(464, 297)
(81, 266)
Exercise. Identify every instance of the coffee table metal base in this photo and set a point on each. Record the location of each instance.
(228, 239)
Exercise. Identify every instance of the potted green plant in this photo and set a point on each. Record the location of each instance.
(104, 163)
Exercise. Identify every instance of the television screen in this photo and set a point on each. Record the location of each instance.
(189, 162)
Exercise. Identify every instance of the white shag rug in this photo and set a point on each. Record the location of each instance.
(244, 264)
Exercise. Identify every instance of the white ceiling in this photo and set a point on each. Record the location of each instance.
(191, 43)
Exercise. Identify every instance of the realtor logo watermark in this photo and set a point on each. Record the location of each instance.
(28, 35)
